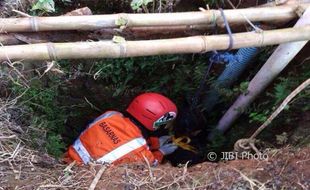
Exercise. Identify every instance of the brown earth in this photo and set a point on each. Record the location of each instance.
(285, 169)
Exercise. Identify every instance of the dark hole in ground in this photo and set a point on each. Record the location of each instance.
(86, 98)
(91, 98)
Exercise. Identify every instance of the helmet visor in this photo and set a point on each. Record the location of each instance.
(163, 120)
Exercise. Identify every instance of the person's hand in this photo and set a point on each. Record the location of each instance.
(168, 148)
(166, 145)
(164, 140)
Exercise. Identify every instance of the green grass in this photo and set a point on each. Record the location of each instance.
(44, 113)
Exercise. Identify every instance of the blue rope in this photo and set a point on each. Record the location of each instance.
(231, 40)
(223, 57)
(215, 58)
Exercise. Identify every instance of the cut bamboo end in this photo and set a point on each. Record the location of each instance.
(110, 49)
(95, 22)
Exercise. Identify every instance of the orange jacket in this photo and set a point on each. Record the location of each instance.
(113, 138)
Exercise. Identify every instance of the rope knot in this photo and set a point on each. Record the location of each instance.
(246, 145)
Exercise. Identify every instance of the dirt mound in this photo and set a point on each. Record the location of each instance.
(285, 169)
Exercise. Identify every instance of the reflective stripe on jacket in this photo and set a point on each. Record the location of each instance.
(112, 138)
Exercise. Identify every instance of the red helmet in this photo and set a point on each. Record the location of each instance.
(152, 110)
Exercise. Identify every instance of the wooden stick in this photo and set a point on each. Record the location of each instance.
(21, 13)
(247, 144)
(97, 177)
(95, 22)
(110, 49)
(281, 107)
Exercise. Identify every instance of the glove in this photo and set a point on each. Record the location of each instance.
(164, 140)
(168, 148)
(156, 142)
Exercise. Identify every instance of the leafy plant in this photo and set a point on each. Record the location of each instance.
(137, 4)
(55, 145)
(153, 5)
(157, 73)
(244, 87)
(44, 5)
(41, 103)
(259, 117)
(281, 90)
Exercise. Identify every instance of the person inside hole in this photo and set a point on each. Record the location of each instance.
(116, 137)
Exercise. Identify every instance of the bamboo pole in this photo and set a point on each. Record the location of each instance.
(284, 2)
(21, 38)
(270, 70)
(110, 49)
(95, 22)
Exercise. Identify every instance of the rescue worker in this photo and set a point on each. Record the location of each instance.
(116, 138)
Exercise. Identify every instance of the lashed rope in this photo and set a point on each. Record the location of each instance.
(249, 143)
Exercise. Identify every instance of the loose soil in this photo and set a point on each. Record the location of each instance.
(286, 168)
